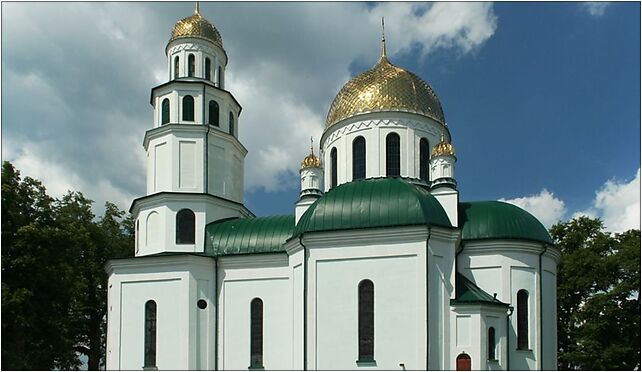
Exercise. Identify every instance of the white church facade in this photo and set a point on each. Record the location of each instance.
(380, 265)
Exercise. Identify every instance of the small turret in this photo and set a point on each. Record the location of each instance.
(442, 176)
(311, 182)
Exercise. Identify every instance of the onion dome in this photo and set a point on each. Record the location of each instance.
(443, 148)
(385, 87)
(311, 161)
(196, 26)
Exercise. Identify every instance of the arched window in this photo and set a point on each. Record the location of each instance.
(191, 63)
(491, 343)
(333, 167)
(231, 124)
(366, 321)
(463, 362)
(359, 158)
(256, 334)
(165, 111)
(137, 235)
(188, 108)
(522, 319)
(150, 333)
(208, 69)
(220, 77)
(424, 158)
(213, 117)
(393, 167)
(176, 66)
(185, 227)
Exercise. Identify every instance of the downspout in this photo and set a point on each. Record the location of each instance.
(510, 312)
(206, 144)
(541, 323)
(427, 302)
(305, 304)
(216, 309)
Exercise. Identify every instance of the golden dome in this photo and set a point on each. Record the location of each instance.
(198, 27)
(385, 87)
(311, 161)
(443, 148)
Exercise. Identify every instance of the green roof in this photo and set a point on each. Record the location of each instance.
(376, 202)
(248, 235)
(499, 220)
(468, 293)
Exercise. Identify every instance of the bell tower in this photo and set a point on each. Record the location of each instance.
(194, 158)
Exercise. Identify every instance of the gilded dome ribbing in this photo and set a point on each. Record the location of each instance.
(443, 148)
(385, 87)
(198, 27)
(311, 161)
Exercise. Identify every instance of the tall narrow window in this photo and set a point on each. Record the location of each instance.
(359, 158)
(424, 158)
(463, 362)
(185, 227)
(393, 167)
(213, 117)
(366, 321)
(176, 66)
(165, 111)
(208, 69)
(256, 334)
(491, 343)
(522, 319)
(220, 77)
(231, 124)
(333, 166)
(150, 333)
(188, 108)
(191, 63)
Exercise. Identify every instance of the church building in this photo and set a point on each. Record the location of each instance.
(379, 266)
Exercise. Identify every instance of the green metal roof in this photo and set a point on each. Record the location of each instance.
(248, 235)
(499, 220)
(376, 202)
(468, 293)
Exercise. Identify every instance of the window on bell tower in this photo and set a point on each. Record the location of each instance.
(176, 67)
(191, 62)
(231, 124)
(213, 113)
(165, 111)
(188, 108)
(208, 68)
(185, 227)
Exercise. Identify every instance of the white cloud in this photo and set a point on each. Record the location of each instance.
(595, 8)
(617, 204)
(545, 206)
(90, 66)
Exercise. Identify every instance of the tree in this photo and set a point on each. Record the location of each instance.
(53, 278)
(598, 295)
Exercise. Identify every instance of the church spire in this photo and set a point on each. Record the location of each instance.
(383, 39)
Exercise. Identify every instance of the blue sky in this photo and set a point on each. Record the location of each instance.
(542, 99)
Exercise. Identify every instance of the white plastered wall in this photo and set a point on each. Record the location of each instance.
(185, 335)
(243, 278)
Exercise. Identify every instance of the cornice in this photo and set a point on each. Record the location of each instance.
(166, 129)
(167, 196)
(158, 262)
(197, 81)
(488, 246)
(254, 261)
(321, 239)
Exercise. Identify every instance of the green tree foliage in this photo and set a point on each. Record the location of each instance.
(53, 278)
(598, 295)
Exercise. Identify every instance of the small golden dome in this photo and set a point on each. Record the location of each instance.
(311, 161)
(443, 148)
(385, 87)
(198, 27)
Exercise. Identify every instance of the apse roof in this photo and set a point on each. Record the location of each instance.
(499, 220)
(468, 293)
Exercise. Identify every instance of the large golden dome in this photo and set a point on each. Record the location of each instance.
(196, 26)
(385, 87)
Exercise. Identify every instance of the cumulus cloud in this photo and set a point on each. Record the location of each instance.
(595, 8)
(617, 204)
(79, 75)
(545, 206)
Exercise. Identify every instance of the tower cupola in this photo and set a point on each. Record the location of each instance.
(311, 182)
(442, 164)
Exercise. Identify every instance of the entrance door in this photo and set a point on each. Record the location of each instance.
(463, 362)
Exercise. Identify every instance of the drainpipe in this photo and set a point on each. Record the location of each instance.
(510, 312)
(541, 323)
(216, 310)
(427, 303)
(305, 304)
